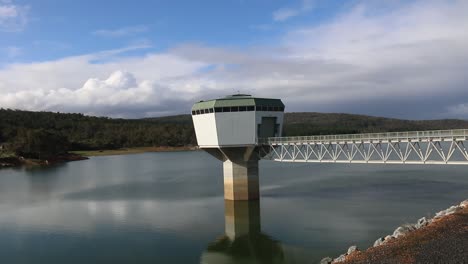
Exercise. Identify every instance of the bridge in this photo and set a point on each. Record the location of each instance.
(416, 147)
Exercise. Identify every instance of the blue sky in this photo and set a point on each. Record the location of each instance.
(80, 27)
(405, 59)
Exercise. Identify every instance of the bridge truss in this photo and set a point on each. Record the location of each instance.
(416, 147)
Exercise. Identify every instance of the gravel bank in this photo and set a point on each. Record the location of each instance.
(442, 239)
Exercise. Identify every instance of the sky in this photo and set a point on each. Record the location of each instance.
(134, 59)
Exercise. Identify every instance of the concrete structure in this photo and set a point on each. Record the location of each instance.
(229, 128)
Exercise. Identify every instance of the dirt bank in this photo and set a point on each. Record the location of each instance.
(444, 240)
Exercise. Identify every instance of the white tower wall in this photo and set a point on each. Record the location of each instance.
(205, 130)
(231, 128)
(236, 128)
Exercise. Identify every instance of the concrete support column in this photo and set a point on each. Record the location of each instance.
(241, 180)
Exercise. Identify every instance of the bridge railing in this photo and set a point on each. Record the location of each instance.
(410, 135)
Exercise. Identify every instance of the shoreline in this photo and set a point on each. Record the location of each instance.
(15, 161)
(441, 239)
(127, 151)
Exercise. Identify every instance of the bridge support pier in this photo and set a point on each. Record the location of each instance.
(241, 180)
(240, 172)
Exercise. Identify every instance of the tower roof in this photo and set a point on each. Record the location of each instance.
(237, 100)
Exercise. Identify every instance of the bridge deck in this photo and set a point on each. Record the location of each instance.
(433, 135)
(414, 147)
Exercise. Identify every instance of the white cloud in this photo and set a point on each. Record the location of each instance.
(284, 13)
(120, 94)
(120, 32)
(12, 17)
(145, 85)
(410, 61)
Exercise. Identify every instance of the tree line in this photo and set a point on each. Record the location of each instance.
(36, 134)
(43, 134)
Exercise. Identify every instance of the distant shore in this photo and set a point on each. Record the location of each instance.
(126, 151)
(15, 161)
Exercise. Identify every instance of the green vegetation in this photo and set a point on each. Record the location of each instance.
(42, 135)
(305, 124)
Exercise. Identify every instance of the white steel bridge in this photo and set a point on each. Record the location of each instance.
(416, 147)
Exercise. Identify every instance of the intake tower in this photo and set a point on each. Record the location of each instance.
(229, 129)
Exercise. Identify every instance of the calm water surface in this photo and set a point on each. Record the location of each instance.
(169, 208)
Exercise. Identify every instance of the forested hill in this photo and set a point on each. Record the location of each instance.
(21, 129)
(25, 130)
(330, 123)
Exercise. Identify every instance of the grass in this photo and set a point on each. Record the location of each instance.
(126, 151)
(6, 154)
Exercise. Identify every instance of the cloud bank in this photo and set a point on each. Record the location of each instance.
(409, 61)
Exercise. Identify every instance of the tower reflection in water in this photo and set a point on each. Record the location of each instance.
(243, 241)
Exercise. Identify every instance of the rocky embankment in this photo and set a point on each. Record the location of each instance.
(20, 161)
(441, 239)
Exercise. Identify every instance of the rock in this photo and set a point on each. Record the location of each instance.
(449, 211)
(351, 249)
(422, 222)
(378, 242)
(440, 214)
(340, 258)
(464, 203)
(387, 238)
(453, 209)
(402, 230)
(326, 260)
